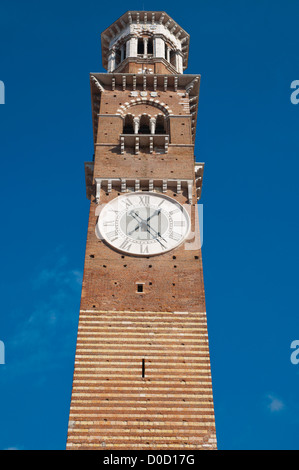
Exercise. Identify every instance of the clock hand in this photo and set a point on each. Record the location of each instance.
(157, 212)
(148, 225)
(157, 233)
(142, 221)
(160, 242)
(136, 228)
(159, 236)
(137, 215)
(139, 222)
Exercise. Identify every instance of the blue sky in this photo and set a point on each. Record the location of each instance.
(247, 135)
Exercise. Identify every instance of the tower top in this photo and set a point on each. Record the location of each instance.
(139, 40)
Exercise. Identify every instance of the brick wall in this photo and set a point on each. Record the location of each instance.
(113, 405)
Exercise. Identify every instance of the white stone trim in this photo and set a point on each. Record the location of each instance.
(154, 184)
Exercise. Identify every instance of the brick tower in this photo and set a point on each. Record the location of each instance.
(142, 376)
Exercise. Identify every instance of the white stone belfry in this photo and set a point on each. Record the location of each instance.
(143, 35)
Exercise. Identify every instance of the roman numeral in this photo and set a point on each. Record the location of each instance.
(175, 211)
(126, 245)
(127, 202)
(179, 223)
(175, 236)
(112, 235)
(143, 249)
(144, 200)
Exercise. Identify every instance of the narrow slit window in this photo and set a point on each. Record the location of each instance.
(150, 47)
(143, 368)
(139, 287)
(140, 46)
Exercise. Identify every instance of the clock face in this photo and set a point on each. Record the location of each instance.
(143, 223)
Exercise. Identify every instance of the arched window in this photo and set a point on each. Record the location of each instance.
(128, 124)
(160, 125)
(144, 127)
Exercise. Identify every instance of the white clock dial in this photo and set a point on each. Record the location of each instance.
(143, 223)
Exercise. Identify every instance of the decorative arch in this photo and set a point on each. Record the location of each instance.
(122, 110)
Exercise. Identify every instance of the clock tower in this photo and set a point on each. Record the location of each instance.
(142, 377)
